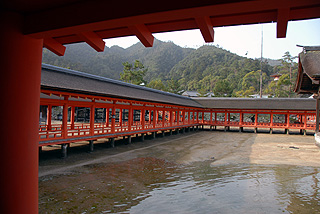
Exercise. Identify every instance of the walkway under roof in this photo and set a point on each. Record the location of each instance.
(28, 26)
(59, 79)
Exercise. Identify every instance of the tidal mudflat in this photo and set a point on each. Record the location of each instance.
(197, 172)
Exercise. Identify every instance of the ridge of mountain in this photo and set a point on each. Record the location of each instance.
(195, 69)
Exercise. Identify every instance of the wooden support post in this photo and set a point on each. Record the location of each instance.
(157, 116)
(153, 135)
(49, 118)
(72, 116)
(142, 137)
(130, 118)
(305, 122)
(120, 117)
(197, 119)
(256, 120)
(20, 62)
(288, 122)
(170, 131)
(64, 147)
(215, 119)
(129, 139)
(107, 116)
(163, 133)
(90, 145)
(163, 117)
(65, 120)
(142, 118)
(317, 113)
(183, 117)
(92, 111)
(112, 142)
(183, 130)
(154, 118)
(225, 119)
(113, 118)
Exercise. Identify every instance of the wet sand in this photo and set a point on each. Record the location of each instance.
(218, 147)
(118, 179)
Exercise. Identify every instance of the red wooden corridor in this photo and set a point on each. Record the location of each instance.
(69, 114)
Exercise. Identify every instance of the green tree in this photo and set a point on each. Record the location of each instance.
(133, 73)
(174, 86)
(202, 92)
(290, 68)
(222, 89)
(157, 84)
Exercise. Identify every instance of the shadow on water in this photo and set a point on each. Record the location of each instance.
(151, 185)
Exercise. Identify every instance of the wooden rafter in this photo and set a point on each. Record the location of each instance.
(282, 22)
(206, 28)
(143, 34)
(93, 40)
(54, 46)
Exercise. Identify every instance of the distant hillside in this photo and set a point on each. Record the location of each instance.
(159, 59)
(206, 69)
(207, 65)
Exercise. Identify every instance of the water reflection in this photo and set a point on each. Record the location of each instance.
(150, 185)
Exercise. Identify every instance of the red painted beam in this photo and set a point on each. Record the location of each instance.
(54, 46)
(206, 28)
(282, 22)
(143, 34)
(93, 40)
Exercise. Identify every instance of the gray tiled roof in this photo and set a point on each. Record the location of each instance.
(258, 103)
(53, 77)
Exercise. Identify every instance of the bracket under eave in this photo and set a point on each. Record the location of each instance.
(143, 34)
(206, 28)
(92, 39)
(282, 22)
(54, 46)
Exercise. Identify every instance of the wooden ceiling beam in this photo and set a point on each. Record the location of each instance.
(92, 39)
(282, 22)
(143, 34)
(206, 28)
(54, 46)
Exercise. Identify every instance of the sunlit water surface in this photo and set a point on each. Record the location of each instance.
(149, 185)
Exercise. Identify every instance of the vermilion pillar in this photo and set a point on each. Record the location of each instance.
(20, 100)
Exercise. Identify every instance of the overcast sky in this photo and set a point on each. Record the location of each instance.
(244, 40)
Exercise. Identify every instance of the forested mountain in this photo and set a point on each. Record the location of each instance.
(159, 59)
(173, 68)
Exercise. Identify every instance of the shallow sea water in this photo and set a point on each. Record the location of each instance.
(151, 185)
